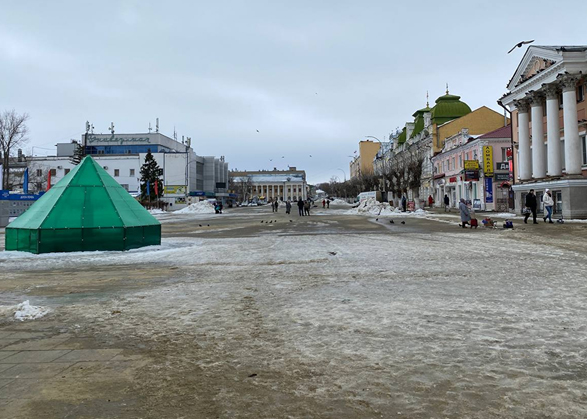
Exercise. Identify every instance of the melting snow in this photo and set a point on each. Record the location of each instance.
(25, 311)
(202, 207)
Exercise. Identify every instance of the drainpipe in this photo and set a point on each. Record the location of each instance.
(511, 140)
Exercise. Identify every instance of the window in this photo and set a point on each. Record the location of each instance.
(67, 171)
(131, 172)
(460, 161)
(584, 146)
(39, 172)
(124, 186)
(558, 201)
(116, 172)
(580, 93)
(53, 172)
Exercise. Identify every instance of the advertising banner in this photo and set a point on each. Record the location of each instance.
(471, 165)
(174, 190)
(471, 175)
(488, 190)
(488, 160)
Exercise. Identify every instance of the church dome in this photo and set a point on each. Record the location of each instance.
(449, 107)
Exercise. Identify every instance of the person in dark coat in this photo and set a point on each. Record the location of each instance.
(288, 207)
(446, 203)
(531, 204)
(301, 207)
(465, 213)
(404, 203)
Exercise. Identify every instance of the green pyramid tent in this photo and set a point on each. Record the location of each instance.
(86, 210)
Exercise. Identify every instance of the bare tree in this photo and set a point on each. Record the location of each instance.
(13, 134)
(38, 178)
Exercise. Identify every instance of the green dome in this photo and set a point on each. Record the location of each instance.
(419, 121)
(449, 107)
(402, 137)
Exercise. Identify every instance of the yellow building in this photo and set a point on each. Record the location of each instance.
(363, 163)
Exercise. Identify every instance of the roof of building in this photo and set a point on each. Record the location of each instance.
(419, 120)
(503, 132)
(449, 107)
(402, 137)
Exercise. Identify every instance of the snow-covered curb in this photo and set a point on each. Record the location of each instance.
(372, 207)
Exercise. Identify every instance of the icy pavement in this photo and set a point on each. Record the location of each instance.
(313, 320)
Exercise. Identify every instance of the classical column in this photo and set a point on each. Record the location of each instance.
(571, 126)
(538, 151)
(272, 191)
(524, 157)
(553, 134)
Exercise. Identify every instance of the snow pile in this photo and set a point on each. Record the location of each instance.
(202, 207)
(25, 311)
(156, 211)
(371, 206)
(338, 201)
(505, 215)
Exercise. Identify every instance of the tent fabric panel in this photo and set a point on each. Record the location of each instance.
(130, 211)
(21, 239)
(86, 175)
(100, 210)
(68, 211)
(134, 237)
(35, 215)
(103, 239)
(152, 235)
(60, 240)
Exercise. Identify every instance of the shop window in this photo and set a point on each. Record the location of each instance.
(53, 172)
(580, 93)
(558, 201)
(584, 146)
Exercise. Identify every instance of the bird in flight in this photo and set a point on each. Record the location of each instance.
(257, 130)
(283, 157)
(310, 155)
(519, 45)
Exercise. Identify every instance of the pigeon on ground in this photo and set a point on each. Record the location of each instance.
(391, 222)
(376, 219)
(332, 253)
(270, 222)
(403, 222)
(291, 221)
(200, 225)
(208, 225)
(261, 221)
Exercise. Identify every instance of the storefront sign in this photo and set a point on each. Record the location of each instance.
(471, 175)
(502, 166)
(452, 179)
(500, 177)
(174, 189)
(471, 165)
(489, 190)
(117, 139)
(488, 160)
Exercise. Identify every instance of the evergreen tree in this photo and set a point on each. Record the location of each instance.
(78, 154)
(151, 172)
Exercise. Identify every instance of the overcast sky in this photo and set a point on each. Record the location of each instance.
(313, 77)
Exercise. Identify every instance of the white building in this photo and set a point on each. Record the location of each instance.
(547, 99)
(269, 186)
(185, 174)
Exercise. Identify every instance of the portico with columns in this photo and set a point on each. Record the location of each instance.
(547, 100)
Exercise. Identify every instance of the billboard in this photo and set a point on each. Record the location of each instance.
(488, 159)
(174, 189)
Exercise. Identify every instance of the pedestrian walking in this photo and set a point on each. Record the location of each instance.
(531, 205)
(288, 207)
(307, 206)
(328, 203)
(430, 201)
(465, 213)
(276, 205)
(404, 203)
(301, 207)
(323, 203)
(548, 204)
(446, 203)
(272, 206)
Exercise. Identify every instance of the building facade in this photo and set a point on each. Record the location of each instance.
(546, 96)
(362, 164)
(268, 186)
(471, 167)
(185, 174)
